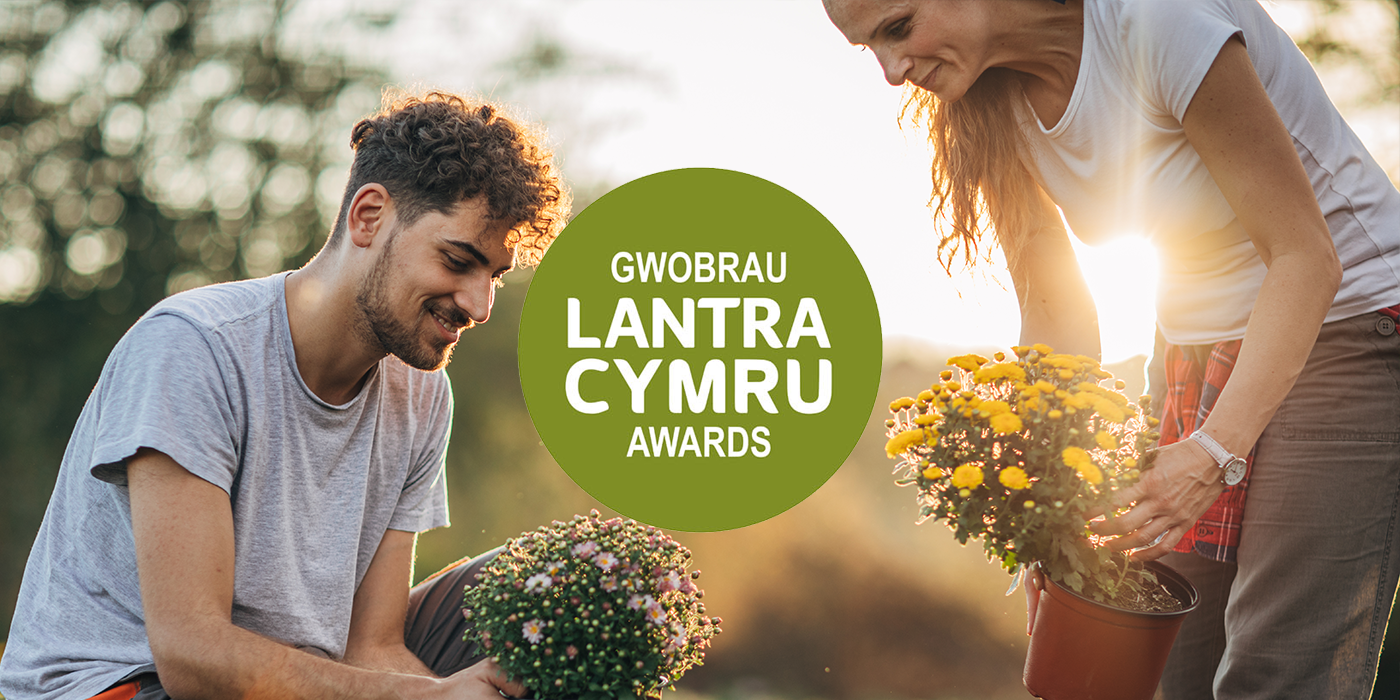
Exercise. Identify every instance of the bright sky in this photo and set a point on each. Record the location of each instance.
(772, 88)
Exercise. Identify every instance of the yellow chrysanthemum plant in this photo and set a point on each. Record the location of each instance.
(1015, 453)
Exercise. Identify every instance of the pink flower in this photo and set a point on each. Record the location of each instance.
(637, 602)
(609, 584)
(584, 550)
(538, 582)
(533, 631)
(670, 581)
(655, 614)
(605, 561)
(553, 568)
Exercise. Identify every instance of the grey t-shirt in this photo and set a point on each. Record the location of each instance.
(209, 378)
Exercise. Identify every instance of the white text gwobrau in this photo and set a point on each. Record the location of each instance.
(699, 267)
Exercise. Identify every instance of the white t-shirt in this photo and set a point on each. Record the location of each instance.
(209, 378)
(1118, 162)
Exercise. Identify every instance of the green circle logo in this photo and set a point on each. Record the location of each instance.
(700, 349)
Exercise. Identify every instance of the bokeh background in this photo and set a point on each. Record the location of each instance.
(151, 147)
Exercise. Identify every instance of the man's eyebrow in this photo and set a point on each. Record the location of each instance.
(475, 253)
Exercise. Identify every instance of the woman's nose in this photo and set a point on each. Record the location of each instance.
(896, 67)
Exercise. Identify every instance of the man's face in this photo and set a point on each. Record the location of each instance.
(433, 279)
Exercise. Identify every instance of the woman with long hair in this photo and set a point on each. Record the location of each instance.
(1200, 124)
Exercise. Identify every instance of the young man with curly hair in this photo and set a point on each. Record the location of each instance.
(238, 505)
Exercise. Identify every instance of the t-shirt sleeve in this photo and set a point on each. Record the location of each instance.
(423, 503)
(1171, 46)
(163, 389)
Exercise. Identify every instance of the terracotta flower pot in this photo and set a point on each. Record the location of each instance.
(1084, 650)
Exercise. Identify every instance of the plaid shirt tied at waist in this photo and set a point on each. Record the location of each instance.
(1195, 375)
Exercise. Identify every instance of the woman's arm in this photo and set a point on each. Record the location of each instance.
(1056, 307)
(1233, 126)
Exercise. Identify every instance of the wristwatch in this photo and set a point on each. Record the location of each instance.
(1231, 467)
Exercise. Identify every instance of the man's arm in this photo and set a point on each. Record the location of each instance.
(381, 604)
(183, 528)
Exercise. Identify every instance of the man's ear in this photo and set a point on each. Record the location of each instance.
(369, 214)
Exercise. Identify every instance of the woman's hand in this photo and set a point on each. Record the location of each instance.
(1182, 483)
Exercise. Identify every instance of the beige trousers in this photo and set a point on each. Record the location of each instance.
(1303, 610)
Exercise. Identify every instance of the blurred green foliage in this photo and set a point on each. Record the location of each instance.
(145, 148)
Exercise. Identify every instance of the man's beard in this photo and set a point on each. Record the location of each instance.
(392, 334)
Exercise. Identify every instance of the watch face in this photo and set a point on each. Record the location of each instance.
(1234, 471)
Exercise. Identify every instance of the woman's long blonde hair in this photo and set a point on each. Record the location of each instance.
(979, 179)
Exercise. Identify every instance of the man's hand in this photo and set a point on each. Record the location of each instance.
(482, 681)
(1166, 502)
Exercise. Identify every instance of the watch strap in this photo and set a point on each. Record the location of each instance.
(1213, 448)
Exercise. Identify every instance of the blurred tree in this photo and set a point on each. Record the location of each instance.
(146, 148)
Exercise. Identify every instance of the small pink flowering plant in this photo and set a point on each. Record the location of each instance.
(1016, 452)
(592, 609)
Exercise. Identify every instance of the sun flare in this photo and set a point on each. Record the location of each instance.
(1122, 277)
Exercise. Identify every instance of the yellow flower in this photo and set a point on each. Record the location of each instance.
(1099, 391)
(901, 403)
(1042, 348)
(968, 476)
(1106, 440)
(1091, 474)
(946, 374)
(1066, 374)
(898, 444)
(953, 386)
(1029, 504)
(1075, 457)
(1130, 463)
(933, 473)
(1062, 361)
(925, 396)
(1152, 421)
(992, 373)
(929, 419)
(1045, 386)
(1079, 460)
(1020, 350)
(1004, 423)
(993, 408)
(1055, 414)
(1119, 384)
(1031, 404)
(1109, 411)
(999, 356)
(1014, 478)
(969, 362)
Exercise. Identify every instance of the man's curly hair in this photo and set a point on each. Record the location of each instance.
(432, 152)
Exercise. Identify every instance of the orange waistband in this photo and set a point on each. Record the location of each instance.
(125, 691)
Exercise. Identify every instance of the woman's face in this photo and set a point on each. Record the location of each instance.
(938, 45)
